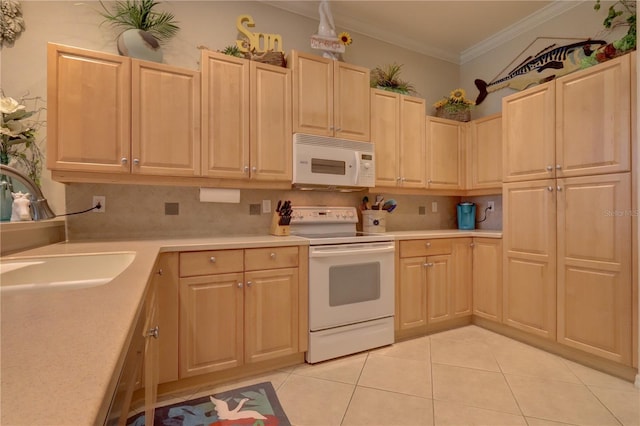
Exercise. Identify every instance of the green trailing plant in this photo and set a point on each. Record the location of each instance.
(139, 14)
(387, 77)
(622, 12)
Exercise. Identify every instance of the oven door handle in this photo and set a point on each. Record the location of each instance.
(324, 252)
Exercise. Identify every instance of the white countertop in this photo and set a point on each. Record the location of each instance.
(60, 349)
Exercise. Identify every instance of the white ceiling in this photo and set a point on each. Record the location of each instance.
(454, 30)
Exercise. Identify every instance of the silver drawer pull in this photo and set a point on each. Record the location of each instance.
(427, 244)
(154, 332)
(549, 168)
(249, 283)
(272, 255)
(239, 285)
(428, 264)
(212, 259)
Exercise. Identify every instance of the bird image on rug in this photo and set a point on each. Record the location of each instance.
(222, 409)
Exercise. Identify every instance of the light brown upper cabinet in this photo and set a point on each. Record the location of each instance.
(246, 114)
(577, 125)
(330, 98)
(398, 133)
(445, 141)
(484, 153)
(113, 114)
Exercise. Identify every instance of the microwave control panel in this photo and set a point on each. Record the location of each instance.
(367, 175)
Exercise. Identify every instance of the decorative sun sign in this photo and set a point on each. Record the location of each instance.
(257, 42)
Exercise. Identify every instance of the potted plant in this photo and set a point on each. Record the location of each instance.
(387, 78)
(144, 29)
(455, 107)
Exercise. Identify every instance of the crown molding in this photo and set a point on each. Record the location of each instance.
(543, 15)
(309, 10)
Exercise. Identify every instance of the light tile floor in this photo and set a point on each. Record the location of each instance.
(466, 376)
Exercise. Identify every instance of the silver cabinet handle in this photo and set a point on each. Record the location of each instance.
(254, 169)
(154, 332)
(558, 167)
(428, 244)
(160, 271)
(212, 259)
(272, 255)
(136, 161)
(249, 283)
(472, 245)
(429, 181)
(339, 129)
(550, 188)
(246, 169)
(428, 264)
(549, 168)
(403, 179)
(559, 188)
(124, 160)
(398, 179)
(239, 285)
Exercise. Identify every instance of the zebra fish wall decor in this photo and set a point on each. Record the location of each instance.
(550, 63)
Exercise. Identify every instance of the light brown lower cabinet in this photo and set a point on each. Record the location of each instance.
(434, 282)
(567, 270)
(487, 278)
(238, 307)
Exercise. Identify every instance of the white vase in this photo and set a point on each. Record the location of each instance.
(139, 44)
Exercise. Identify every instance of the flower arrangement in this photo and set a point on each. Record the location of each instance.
(18, 129)
(455, 106)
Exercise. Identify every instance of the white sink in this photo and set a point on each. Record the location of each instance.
(62, 272)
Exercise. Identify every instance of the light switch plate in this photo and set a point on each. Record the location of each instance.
(434, 207)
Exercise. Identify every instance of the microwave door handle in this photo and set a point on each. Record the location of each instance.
(357, 175)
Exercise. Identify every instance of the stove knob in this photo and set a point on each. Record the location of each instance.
(350, 214)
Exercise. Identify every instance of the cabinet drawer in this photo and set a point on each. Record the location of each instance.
(270, 258)
(411, 248)
(211, 262)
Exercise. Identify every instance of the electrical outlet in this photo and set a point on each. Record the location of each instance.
(434, 207)
(254, 209)
(266, 206)
(421, 210)
(491, 206)
(103, 203)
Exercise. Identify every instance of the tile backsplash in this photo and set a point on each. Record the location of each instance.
(141, 212)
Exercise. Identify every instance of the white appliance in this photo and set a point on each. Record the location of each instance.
(351, 283)
(332, 162)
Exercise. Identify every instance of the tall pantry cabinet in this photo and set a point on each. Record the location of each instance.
(567, 204)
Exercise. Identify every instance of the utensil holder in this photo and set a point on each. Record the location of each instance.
(277, 229)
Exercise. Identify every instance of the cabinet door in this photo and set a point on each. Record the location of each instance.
(270, 135)
(88, 110)
(593, 116)
(439, 283)
(167, 284)
(411, 146)
(485, 165)
(225, 116)
(528, 132)
(461, 290)
(594, 265)
(271, 314)
(165, 120)
(529, 236)
(487, 278)
(211, 323)
(312, 94)
(445, 147)
(412, 293)
(351, 101)
(385, 132)
(151, 353)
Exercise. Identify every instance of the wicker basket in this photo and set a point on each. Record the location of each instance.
(458, 115)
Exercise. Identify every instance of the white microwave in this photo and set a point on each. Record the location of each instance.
(332, 162)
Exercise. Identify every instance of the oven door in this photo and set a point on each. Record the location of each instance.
(350, 283)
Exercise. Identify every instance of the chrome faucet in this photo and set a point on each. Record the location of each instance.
(39, 206)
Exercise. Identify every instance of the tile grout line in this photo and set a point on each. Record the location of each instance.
(355, 386)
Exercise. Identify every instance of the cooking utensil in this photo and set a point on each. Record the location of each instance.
(389, 205)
